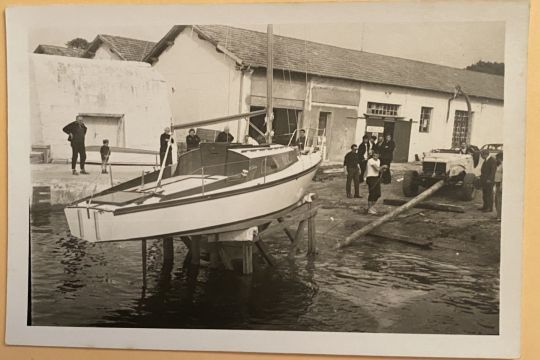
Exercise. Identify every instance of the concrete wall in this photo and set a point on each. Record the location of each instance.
(62, 87)
(206, 83)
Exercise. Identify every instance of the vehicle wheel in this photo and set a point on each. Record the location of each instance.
(410, 183)
(467, 189)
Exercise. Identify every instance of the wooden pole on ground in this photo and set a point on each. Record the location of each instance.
(366, 229)
(426, 205)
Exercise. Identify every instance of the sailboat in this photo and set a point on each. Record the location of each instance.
(215, 188)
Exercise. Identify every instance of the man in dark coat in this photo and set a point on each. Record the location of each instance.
(351, 165)
(225, 136)
(301, 142)
(163, 144)
(192, 140)
(386, 151)
(487, 180)
(76, 131)
(364, 152)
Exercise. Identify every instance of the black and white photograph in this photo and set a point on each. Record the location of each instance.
(310, 178)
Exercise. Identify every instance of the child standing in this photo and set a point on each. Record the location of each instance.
(373, 180)
(105, 153)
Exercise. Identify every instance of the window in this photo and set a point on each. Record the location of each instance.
(382, 109)
(461, 128)
(425, 119)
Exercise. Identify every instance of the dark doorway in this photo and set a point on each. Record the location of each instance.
(399, 130)
(284, 124)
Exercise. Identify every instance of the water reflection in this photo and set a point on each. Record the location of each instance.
(372, 288)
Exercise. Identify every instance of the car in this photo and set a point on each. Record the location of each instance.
(456, 169)
(493, 148)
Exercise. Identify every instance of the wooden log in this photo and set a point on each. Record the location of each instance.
(264, 252)
(168, 249)
(312, 247)
(195, 250)
(427, 205)
(225, 258)
(424, 243)
(297, 237)
(286, 229)
(213, 250)
(368, 228)
(247, 258)
(144, 266)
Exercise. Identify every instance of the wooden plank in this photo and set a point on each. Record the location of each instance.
(247, 258)
(298, 236)
(195, 250)
(225, 258)
(312, 246)
(214, 254)
(261, 246)
(370, 227)
(286, 229)
(427, 205)
(401, 238)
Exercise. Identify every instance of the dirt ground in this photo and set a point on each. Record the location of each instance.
(472, 236)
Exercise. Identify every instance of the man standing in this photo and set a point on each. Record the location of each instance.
(351, 165)
(301, 142)
(373, 180)
(225, 136)
(364, 151)
(163, 145)
(487, 178)
(76, 132)
(386, 151)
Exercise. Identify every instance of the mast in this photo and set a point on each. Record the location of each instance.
(269, 80)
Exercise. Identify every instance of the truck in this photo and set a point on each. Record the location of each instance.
(457, 169)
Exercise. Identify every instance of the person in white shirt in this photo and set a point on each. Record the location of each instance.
(373, 180)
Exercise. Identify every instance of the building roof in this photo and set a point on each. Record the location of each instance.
(126, 48)
(249, 48)
(58, 50)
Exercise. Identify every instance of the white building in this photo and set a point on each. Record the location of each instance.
(122, 101)
(218, 70)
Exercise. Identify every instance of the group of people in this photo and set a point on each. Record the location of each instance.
(370, 161)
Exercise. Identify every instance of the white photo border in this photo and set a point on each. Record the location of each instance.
(19, 22)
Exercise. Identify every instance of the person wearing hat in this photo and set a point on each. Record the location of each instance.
(163, 144)
(487, 180)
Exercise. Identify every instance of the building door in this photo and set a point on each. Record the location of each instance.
(461, 128)
(402, 138)
(104, 127)
(398, 129)
(340, 132)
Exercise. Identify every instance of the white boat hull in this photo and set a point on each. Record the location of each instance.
(202, 214)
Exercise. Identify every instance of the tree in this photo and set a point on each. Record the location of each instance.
(78, 43)
(488, 67)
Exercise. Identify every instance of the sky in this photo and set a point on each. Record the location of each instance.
(455, 44)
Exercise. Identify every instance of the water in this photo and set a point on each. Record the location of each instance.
(372, 287)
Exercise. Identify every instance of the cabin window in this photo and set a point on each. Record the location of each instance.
(374, 108)
(425, 119)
